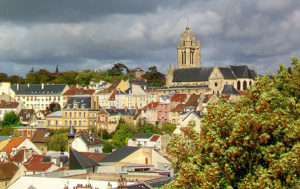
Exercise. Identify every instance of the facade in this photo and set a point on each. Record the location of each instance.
(136, 97)
(6, 107)
(85, 142)
(38, 96)
(189, 77)
(149, 140)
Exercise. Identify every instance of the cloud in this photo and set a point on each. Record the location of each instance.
(94, 34)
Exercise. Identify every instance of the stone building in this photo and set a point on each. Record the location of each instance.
(189, 77)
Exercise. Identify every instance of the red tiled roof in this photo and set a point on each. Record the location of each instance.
(45, 112)
(193, 100)
(19, 157)
(36, 158)
(79, 91)
(151, 105)
(112, 96)
(178, 108)
(242, 92)
(94, 156)
(178, 98)
(137, 114)
(5, 104)
(39, 136)
(154, 138)
(13, 143)
(7, 170)
(207, 97)
(38, 167)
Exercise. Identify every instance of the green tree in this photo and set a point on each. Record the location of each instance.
(168, 128)
(118, 69)
(69, 77)
(10, 119)
(252, 144)
(57, 142)
(107, 148)
(121, 135)
(3, 77)
(14, 79)
(7, 131)
(85, 77)
(154, 78)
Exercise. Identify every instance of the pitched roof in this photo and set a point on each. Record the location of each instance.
(94, 156)
(206, 98)
(90, 139)
(178, 108)
(112, 96)
(55, 114)
(241, 71)
(151, 105)
(229, 89)
(73, 90)
(83, 102)
(38, 166)
(143, 135)
(121, 112)
(35, 158)
(227, 73)
(11, 105)
(178, 98)
(4, 138)
(13, 143)
(192, 74)
(193, 100)
(157, 183)
(80, 161)
(45, 112)
(154, 138)
(39, 136)
(7, 170)
(38, 89)
(120, 154)
(19, 156)
(24, 112)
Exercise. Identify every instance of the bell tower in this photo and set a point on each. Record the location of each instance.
(188, 51)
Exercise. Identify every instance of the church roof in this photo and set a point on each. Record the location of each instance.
(192, 74)
(227, 73)
(241, 71)
(229, 89)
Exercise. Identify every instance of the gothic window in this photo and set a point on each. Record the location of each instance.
(238, 85)
(250, 83)
(244, 85)
(182, 57)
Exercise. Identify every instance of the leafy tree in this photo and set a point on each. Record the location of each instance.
(53, 107)
(118, 69)
(3, 77)
(252, 144)
(107, 148)
(14, 79)
(7, 131)
(104, 135)
(85, 77)
(168, 128)
(10, 119)
(122, 134)
(69, 77)
(154, 78)
(57, 142)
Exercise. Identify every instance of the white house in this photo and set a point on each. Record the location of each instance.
(149, 140)
(6, 107)
(85, 142)
(188, 118)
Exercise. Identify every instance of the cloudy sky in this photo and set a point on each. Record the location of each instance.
(95, 34)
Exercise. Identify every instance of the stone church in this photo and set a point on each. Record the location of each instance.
(191, 78)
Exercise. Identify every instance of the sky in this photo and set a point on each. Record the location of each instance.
(95, 34)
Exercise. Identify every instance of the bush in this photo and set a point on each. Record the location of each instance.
(107, 148)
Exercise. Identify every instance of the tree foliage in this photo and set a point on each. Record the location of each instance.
(107, 148)
(10, 119)
(122, 134)
(252, 144)
(57, 142)
(154, 77)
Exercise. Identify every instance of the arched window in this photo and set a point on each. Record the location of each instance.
(250, 83)
(238, 85)
(245, 85)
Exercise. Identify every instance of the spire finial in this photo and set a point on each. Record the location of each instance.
(187, 22)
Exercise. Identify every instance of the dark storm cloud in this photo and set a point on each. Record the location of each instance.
(80, 34)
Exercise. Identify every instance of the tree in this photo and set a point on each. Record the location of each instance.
(14, 79)
(10, 119)
(69, 77)
(53, 107)
(107, 148)
(154, 78)
(57, 142)
(3, 77)
(252, 144)
(85, 77)
(122, 134)
(6, 131)
(118, 69)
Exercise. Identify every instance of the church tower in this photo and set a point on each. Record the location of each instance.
(188, 51)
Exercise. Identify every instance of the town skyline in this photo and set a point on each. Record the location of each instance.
(144, 34)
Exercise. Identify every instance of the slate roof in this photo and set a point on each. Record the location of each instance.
(90, 139)
(192, 74)
(7, 170)
(36, 89)
(120, 154)
(55, 114)
(227, 73)
(143, 135)
(229, 89)
(241, 71)
(84, 102)
(80, 161)
(39, 136)
(5, 104)
(4, 138)
(121, 112)
(157, 183)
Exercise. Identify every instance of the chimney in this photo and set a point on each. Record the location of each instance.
(18, 85)
(28, 85)
(109, 186)
(42, 85)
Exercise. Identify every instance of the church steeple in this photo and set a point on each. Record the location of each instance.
(56, 70)
(188, 51)
(32, 70)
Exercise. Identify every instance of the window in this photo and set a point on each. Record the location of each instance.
(52, 122)
(56, 123)
(95, 114)
(84, 123)
(84, 114)
(20, 133)
(66, 123)
(59, 123)
(245, 85)
(238, 85)
(48, 122)
(91, 114)
(70, 123)
(216, 84)
(75, 114)
(79, 114)
(70, 114)
(28, 133)
(66, 115)
(79, 123)
(75, 123)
